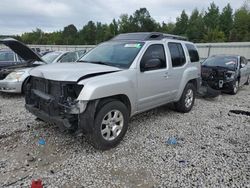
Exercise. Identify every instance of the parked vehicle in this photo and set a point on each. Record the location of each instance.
(63, 56)
(225, 72)
(12, 78)
(9, 58)
(125, 76)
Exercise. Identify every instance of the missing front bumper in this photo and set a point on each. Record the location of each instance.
(59, 121)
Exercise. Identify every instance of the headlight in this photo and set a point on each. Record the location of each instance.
(230, 74)
(14, 75)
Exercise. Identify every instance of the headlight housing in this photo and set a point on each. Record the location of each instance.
(230, 75)
(15, 75)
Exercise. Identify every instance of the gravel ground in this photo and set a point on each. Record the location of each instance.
(212, 150)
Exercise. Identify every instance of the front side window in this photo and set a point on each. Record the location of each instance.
(177, 54)
(115, 53)
(6, 56)
(51, 56)
(243, 61)
(193, 53)
(69, 57)
(155, 54)
(81, 53)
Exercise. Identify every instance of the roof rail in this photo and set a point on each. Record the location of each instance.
(177, 37)
(147, 36)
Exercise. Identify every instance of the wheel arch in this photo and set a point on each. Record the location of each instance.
(120, 97)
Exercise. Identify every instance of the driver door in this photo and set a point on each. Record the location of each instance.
(152, 80)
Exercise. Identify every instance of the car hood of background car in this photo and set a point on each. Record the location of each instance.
(71, 72)
(21, 49)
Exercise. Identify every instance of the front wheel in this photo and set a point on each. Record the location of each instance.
(235, 87)
(186, 102)
(248, 80)
(110, 125)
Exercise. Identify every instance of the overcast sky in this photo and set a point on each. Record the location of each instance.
(19, 16)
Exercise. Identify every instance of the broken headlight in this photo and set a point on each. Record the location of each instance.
(230, 75)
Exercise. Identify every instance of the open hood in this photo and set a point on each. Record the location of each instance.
(71, 72)
(21, 49)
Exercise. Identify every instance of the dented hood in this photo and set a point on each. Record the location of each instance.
(21, 49)
(71, 72)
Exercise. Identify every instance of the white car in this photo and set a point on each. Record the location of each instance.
(13, 77)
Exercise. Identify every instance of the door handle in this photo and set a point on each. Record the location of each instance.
(166, 75)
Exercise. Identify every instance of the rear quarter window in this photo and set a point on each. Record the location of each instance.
(193, 53)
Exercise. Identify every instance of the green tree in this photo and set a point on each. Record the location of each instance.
(195, 29)
(167, 28)
(34, 37)
(211, 18)
(214, 35)
(69, 34)
(88, 33)
(143, 22)
(241, 31)
(113, 27)
(226, 20)
(124, 24)
(181, 24)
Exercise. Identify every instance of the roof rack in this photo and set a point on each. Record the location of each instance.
(147, 36)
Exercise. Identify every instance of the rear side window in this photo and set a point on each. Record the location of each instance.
(193, 54)
(177, 54)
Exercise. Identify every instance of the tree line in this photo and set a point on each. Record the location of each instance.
(211, 25)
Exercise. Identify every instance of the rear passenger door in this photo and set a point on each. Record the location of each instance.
(178, 64)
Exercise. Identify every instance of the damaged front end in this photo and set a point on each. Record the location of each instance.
(54, 101)
(215, 80)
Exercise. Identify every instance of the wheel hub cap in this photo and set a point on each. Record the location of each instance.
(189, 98)
(112, 125)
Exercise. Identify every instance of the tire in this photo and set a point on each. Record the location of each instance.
(248, 80)
(235, 87)
(186, 102)
(108, 131)
(24, 86)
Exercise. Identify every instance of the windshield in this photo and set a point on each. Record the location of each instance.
(117, 53)
(51, 56)
(229, 62)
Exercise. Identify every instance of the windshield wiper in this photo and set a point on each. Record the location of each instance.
(96, 62)
(100, 62)
(82, 61)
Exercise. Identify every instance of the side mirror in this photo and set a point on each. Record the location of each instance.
(150, 64)
(242, 65)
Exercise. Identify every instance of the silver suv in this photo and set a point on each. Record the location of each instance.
(127, 75)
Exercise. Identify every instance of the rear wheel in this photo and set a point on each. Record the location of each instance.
(187, 99)
(110, 125)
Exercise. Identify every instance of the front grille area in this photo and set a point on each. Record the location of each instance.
(50, 87)
(208, 74)
(50, 96)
